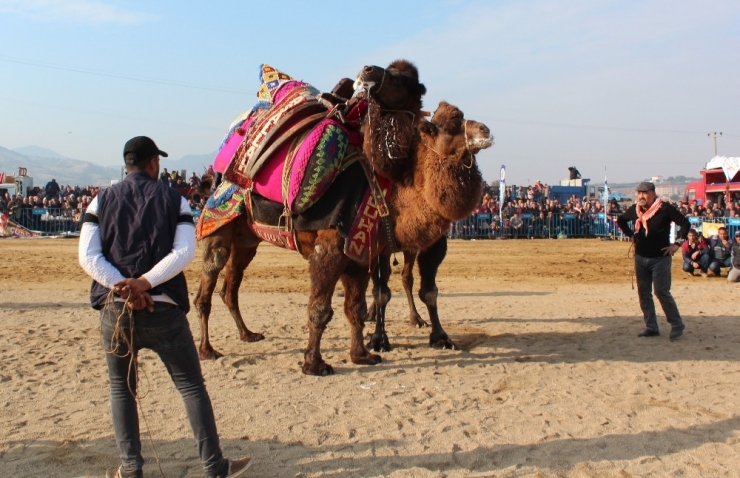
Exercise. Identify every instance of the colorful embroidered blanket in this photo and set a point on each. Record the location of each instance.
(271, 83)
(286, 149)
(224, 205)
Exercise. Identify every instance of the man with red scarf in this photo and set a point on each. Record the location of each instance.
(653, 252)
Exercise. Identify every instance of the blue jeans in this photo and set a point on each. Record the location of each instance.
(655, 273)
(703, 262)
(717, 264)
(166, 332)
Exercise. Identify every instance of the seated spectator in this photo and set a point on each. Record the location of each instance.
(734, 274)
(720, 251)
(695, 253)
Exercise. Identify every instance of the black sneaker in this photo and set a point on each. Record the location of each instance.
(677, 331)
(648, 333)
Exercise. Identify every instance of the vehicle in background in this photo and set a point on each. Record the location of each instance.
(618, 197)
(581, 188)
(713, 185)
(21, 183)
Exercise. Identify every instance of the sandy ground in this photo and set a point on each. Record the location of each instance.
(551, 379)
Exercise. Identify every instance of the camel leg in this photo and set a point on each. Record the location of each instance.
(216, 250)
(429, 261)
(407, 279)
(354, 280)
(326, 264)
(381, 296)
(243, 250)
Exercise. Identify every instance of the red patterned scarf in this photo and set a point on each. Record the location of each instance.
(644, 217)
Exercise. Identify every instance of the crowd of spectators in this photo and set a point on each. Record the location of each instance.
(63, 202)
(58, 209)
(529, 211)
(188, 187)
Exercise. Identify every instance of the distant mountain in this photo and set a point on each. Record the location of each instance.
(43, 165)
(33, 150)
(65, 170)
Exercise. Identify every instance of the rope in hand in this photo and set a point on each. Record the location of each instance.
(631, 255)
(119, 338)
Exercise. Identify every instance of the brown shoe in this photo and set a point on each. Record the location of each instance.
(237, 467)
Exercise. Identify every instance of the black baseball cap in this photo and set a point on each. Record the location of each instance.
(645, 186)
(140, 149)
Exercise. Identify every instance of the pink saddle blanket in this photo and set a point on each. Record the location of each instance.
(301, 171)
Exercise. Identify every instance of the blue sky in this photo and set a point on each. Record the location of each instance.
(630, 88)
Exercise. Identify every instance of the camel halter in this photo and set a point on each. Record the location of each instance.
(467, 147)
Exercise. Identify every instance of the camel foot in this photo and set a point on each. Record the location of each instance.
(442, 343)
(209, 354)
(416, 321)
(321, 369)
(369, 359)
(252, 337)
(379, 343)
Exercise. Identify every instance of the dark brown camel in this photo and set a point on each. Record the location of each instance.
(232, 247)
(416, 226)
(429, 262)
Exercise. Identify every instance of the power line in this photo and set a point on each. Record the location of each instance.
(121, 77)
(157, 120)
(591, 127)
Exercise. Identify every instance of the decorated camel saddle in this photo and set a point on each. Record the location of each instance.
(281, 158)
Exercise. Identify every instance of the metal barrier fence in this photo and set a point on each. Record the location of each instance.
(47, 221)
(54, 221)
(486, 226)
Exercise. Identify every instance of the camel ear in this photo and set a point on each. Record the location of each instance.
(428, 128)
(421, 89)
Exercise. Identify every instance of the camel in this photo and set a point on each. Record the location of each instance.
(232, 247)
(429, 258)
(437, 182)
(429, 261)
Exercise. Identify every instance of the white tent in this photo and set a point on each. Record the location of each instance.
(730, 165)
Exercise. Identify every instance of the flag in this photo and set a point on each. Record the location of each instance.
(2, 178)
(501, 194)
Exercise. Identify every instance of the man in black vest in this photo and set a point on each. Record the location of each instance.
(136, 239)
(653, 255)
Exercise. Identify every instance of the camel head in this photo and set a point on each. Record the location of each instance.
(394, 88)
(450, 135)
(448, 144)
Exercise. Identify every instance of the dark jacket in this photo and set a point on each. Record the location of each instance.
(718, 250)
(687, 250)
(735, 254)
(659, 228)
(137, 219)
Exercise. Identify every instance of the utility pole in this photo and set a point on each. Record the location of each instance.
(714, 136)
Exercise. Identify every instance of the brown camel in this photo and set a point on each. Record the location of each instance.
(232, 247)
(429, 258)
(424, 159)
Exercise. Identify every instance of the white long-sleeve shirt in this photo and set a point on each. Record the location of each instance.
(93, 261)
